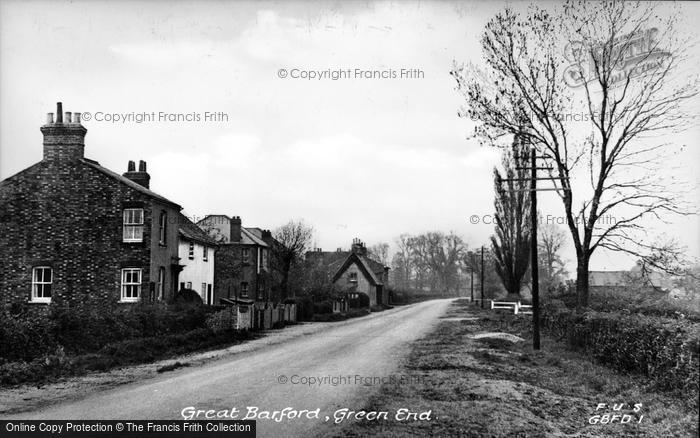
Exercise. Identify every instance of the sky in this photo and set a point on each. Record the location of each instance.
(369, 157)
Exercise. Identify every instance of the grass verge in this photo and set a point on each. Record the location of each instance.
(495, 388)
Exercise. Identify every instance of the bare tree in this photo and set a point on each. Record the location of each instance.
(379, 253)
(624, 77)
(552, 240)
(511, 244)
(403, 260)
(294, 238)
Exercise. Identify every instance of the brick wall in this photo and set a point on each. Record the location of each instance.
(68, 216)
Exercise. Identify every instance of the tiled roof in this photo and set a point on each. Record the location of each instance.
(249, 238)
(191, 231)
(126, 181)
(608, 278)
(364, 264)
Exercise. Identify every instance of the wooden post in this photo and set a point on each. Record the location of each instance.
(482, 276)
(471, 271)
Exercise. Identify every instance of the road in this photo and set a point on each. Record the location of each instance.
(273, 377)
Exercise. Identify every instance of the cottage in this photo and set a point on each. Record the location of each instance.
(353, 273)
(196, 251)
(74, 233)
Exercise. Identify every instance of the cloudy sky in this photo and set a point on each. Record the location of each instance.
(368, 158)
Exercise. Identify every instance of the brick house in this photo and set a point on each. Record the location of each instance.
(242, 273)
(352, 273)
(196, 251)
(73, 233)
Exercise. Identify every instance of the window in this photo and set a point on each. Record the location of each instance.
(131, 284)
(352, 277)
(264, 259)
(246, 255)
(161, 283)
(42, 279)
(210, 297)
(261, 291)
(133, 225)
(162, 223)
(204, 290)
(205, 253)
(191, 253)
(244, 289)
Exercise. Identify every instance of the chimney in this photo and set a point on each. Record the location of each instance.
(141, 177)
(358, 247)
(64, 139)
(236, 229)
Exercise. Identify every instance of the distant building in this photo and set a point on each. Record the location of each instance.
(73, 233)
(353, 272)
(242, 273)
(196, 251)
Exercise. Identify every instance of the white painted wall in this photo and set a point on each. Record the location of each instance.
(196, 270)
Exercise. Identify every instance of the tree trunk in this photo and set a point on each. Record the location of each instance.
(582, 281)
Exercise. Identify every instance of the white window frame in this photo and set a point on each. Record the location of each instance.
(205, 253)
(38, 285)
(190, 254)
(131, 225)
(128, 285)
(245, 257)
(244, 290)
(352, 277)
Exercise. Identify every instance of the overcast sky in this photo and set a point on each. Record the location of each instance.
(368, 158)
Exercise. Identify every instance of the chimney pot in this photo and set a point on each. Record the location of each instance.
(131, 167)
(76, 118)
(62, 141)
(142, 166)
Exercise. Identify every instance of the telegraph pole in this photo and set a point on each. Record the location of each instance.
(533, 253)
(532, 168)
(482, 276)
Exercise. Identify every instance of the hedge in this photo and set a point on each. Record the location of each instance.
(665, 350)
(27, 336)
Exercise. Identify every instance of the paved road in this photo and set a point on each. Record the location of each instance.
(367, 347)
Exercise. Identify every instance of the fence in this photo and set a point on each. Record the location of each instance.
(516, 306)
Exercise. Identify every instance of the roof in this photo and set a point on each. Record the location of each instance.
(190, 231)
(364, 264)
(608, 278)
(249, 238)
(126, 181)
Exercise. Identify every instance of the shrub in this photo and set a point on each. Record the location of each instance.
(665, 350)
(323, 307)
(188, 296)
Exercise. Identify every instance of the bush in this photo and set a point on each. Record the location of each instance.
(323, 307)
(27, 336)
(665, 350)
(188, 296)
(361, 301)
